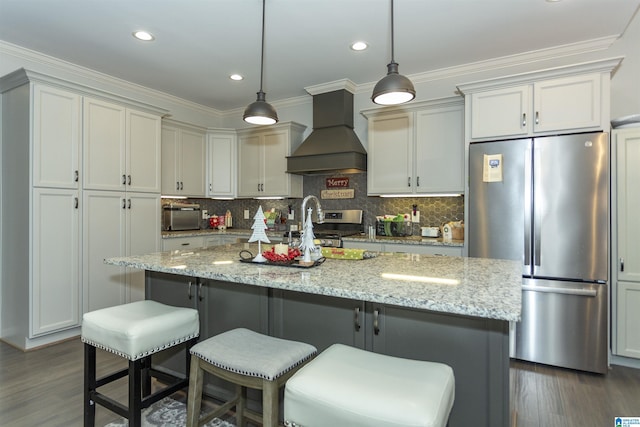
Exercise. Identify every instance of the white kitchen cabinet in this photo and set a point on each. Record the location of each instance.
(418, 150)
(262, 161)
(40, 224)
(121, 148)
(55, 283)
(424, 249)
(183, 160)
(117, 224)
(560, 100)
(57, 127)
(222, 160)
(626, 242)
(182, 243)
(368, 246)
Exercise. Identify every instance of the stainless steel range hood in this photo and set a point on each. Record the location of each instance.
(332, 146)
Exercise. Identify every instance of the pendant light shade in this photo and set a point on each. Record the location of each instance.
(394, 88)
(261, 112)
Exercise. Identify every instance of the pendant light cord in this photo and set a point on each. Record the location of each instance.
(262, 51)
(392, 50)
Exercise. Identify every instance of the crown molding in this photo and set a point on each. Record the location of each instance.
(525, 58)
(62, 66)
(343, 84)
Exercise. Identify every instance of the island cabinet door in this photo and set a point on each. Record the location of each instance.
(178, 291)
(475, 348)
(316, 319)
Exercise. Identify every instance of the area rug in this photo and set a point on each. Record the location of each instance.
(167, 413)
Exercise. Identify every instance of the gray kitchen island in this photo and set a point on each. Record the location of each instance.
(447, 309)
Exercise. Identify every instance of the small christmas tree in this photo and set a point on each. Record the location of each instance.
(306, 239)
(259, 234)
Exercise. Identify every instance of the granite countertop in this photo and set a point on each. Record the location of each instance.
(476, 287)
(409, 240)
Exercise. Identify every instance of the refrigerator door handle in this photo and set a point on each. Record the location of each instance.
(527, 206)
(537, 174)
(577, 292)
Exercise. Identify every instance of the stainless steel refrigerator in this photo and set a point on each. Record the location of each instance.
(545, 201)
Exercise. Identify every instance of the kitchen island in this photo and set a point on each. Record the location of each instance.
(448, 309)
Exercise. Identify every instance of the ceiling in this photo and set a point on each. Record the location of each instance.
(199, 43)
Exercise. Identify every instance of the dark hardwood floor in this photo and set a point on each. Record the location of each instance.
(44, 388)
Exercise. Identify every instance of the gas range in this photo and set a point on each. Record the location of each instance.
(337, 224)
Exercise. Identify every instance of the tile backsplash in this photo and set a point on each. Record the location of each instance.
(433, 210)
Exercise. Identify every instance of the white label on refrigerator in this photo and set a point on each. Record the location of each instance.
(492, 168)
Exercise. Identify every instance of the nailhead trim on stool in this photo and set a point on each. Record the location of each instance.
(346, 386)
(135, 331)
(247, 359)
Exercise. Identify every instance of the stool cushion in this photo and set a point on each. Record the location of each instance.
(252, 354)
(346, 386)
(140, 328)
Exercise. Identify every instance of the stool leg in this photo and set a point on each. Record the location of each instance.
(89, 385)
(194, 397)
(269, 403)
(241, 405)
(135, 393)
(146, 376)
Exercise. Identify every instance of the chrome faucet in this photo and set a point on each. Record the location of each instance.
(318, 209)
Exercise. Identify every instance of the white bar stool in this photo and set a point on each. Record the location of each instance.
(346, 386)
(134, 331)
(248, 360)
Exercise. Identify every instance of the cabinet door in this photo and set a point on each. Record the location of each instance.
(628, 205)
(628, 319)
(221, 165)
(234, 305)
(56, 138)
(476, 349)
(177, 291)
(192, 159)
(56, 255)
(170, 161)
(440, 150)
(501, 112)
(317, 319)
(104, 216)
(143, 152)
(104, 146)
(142, 236)
(567, 103)
(275, 149)
(250, 165)
(390, 155)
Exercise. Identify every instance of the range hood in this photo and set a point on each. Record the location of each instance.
(332, 146)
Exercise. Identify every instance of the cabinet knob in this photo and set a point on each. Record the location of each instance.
(181, 185)
(129, 179)
(124, 179)
(409, 182)
(129, 204)
(524, 119)
(75, 202)
(356, 320)
(537, 117)
(200, 296)
(177, 185)
(124, 203)
(76, 176)
(418, 181)
(621, 264)
(189, 290)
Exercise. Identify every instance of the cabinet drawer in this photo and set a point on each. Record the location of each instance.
(177, 243)
(424, 249)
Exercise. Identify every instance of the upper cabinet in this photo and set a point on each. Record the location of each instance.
(222, 159)
(57, 118)
(568, 99)
(121, 148)
(262, 161)
(417, 149)
(183, 160)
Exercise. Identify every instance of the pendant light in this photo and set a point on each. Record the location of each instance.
(261, 112)
(394, 88)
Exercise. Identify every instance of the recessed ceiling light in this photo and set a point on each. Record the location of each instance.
(359, 46)
(236, 77)
(143, 35)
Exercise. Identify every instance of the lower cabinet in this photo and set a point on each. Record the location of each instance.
(317, 319)
(628, 319)
(477, 349)
(405, 248)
